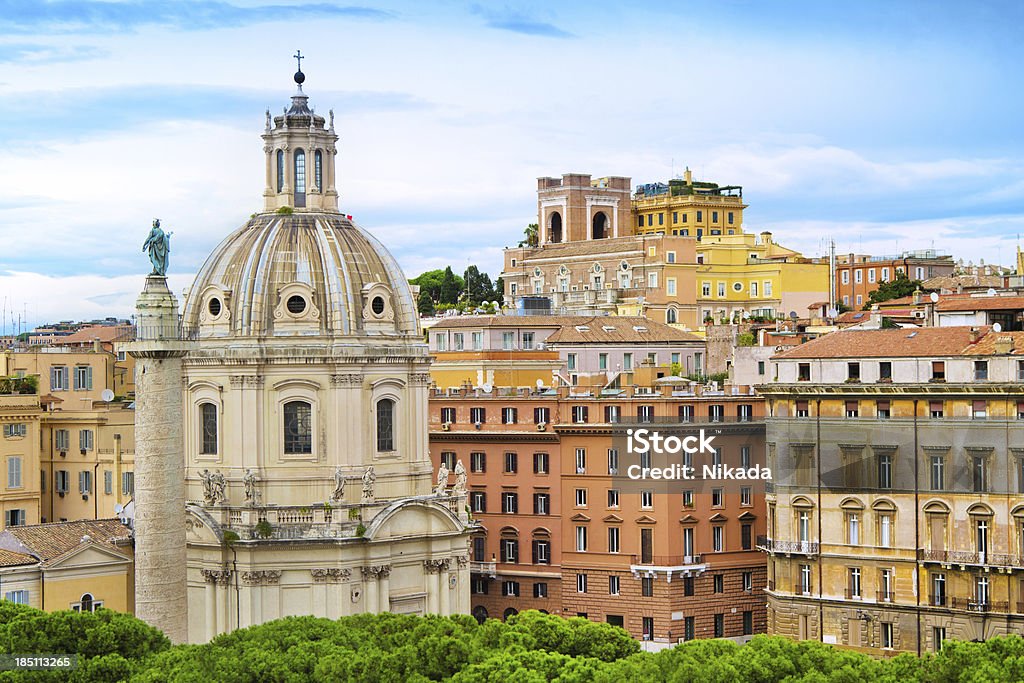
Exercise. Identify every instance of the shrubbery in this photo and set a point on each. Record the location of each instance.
(392, 648)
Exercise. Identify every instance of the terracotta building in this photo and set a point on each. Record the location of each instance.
(857, 275)
(564, 530)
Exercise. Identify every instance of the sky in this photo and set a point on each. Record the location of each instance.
(885, 126)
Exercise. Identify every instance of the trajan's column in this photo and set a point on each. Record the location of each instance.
(160, 559)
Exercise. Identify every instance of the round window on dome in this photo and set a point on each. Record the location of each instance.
(296, 304)
(377, 305)
(214, 307)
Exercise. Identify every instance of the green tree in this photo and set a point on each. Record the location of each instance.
(899, 287)
(424, 303)
(478, 286)
(530, 236)
(499, 291)
(451, 287)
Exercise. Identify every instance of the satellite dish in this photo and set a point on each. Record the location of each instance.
(118, 509)
(934, 296)
(540, 384)
(833, 312)
(991, 292)
(996, 327)
(793, 315)
(487, 388)
(107, 395)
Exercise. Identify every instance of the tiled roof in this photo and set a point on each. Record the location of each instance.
(987, 345)
(980, 303)
(619, 329)
(104, 333)
(9, 558)
(902, 343)
(47, 541)
(953, 281)
(605, 247)
(509, 321)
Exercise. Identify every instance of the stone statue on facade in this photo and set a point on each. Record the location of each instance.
(339, 486)
(369, 477)
(442, 480)
(252, 494)
(219, 487)
(207, 477)
(158, 244)
(460, 479)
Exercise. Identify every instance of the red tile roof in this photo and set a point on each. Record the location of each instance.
(980, 303)
(47, 541)
(9, 558)
(901, 343)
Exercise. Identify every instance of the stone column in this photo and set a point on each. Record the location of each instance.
(160, 557)
(211, 603)
(442, 585)
(384, 595)
(429, 570)
(370, 580)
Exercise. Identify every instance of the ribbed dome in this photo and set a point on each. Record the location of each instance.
(300, 274)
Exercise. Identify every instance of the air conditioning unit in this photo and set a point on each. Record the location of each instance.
(541, 426)
(918, 314)
(446, 426)
(477, 425)
(63, 454)
(83, 451)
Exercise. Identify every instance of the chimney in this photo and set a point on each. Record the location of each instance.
(96, 348)
(766, 238)
(688, 175)
(917, 296)
(1004, 345)
(976, 335)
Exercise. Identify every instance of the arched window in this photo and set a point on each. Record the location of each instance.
(599, 227)
(298, 427)
(208, 416)
(385, 425)
(87, 603)
(280, 170)
(510, 612)
(671, 316)
(555, 234)
(300, 178)
(480, 614)
(318, 170)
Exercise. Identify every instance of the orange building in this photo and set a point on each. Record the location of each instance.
(857, 275)
(563, 529)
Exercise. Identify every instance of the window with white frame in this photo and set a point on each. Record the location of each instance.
(83, 378)
(128, 483)
(85, 439)
(613, 539)
(15, 429)
(62, 481)
(441, 342)
(14, 518)
(478, 341)
(581, 539)
(580, 414)
(581, 583)
(85, 482)
(581, 461)
(613, 585)
(62, 439)
(58, 378)
(19, 597)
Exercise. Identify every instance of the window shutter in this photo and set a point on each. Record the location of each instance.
(88, 377)
(535, 553)
(81, 482)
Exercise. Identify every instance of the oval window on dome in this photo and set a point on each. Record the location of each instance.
(214, 307)
(296, 304)
(377, 305)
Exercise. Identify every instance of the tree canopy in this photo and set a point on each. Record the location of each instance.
(894, 289)
(530, 646)
(442, 289)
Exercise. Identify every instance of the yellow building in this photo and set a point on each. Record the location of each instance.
(20, 414)
(897, 515)
(80, 566)
(80, 461)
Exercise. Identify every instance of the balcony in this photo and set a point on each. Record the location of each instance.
(770, 545)
(488, 569)
(801, 589)
(885, 596)
(970, 557)
(973, 604)
(667, 565)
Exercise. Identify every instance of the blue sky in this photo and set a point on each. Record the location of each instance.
(884, 125)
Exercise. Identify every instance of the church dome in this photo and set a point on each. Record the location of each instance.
(302, 273)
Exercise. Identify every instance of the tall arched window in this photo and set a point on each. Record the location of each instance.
(318, 170)
(298, 427)
(385, 425)
(300, 178)
(280, 170)
(555, 234)
(670, 316)
(208, 416)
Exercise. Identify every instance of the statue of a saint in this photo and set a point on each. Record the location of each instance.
(252, 494)
(339, 486)
(158, 244)
(460, 479)
(220, 488)
(368, 479)
(207, 478)
(442, 480)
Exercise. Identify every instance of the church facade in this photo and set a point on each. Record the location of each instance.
(308, 485)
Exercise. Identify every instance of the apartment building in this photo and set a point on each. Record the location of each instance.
(550, 350)
(563, 530)
(21, 415)
(897, 516)
(857, 275)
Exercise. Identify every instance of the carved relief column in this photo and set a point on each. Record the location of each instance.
(253, 592)
(462, 602)
(319, 591)
(251, 444)
(433, 570)
(419, 383)
(217, 600)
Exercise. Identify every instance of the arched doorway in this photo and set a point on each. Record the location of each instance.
(480, 614)
(555, 231)
(599, 226)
